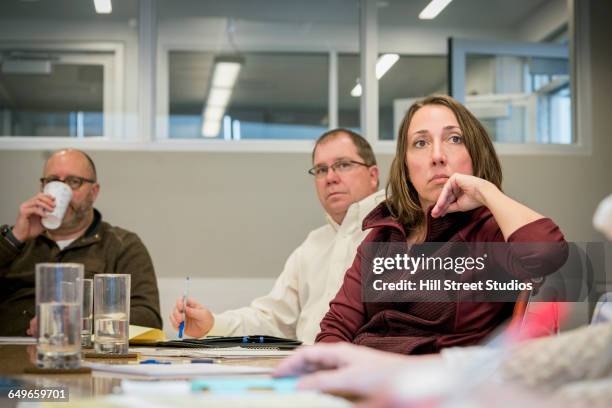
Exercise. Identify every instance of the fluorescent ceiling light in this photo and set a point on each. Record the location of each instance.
(434, 8)
(103, 6)
(219, 97)
(213, 113)
(225, 74)
(210, 128)
(383, 64)
(356, 91)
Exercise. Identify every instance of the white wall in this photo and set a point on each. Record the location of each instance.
(241, 214)
(200, 214)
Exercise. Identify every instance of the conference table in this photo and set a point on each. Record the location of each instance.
(93, 386)
(17, 358)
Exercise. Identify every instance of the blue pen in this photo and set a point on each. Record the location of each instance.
(185, 293)
(152, 361)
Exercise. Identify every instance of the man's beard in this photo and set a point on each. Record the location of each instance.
(76, 215)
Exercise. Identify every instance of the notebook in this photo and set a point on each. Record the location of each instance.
(251, 342)
(223, 352)
(140, 335)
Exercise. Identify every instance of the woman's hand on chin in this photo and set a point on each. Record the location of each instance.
(462, 193)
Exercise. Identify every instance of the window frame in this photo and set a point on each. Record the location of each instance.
(84, 53)
(163, 100)
(143, 138)
(460, 48)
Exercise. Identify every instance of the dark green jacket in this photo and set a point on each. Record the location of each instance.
(102, 249)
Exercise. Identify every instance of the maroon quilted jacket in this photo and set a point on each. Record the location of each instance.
(427, 327)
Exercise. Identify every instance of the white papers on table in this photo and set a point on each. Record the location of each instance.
(156, 387)
(176, 370)
(222, 352)
(247, 400)
(17, 340)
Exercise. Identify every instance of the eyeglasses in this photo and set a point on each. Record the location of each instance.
(74, 182)
(341, 166)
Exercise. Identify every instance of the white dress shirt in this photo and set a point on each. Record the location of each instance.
(311, 278)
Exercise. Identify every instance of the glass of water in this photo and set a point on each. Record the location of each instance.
(59, 296)
(87, 313)
(111, 313)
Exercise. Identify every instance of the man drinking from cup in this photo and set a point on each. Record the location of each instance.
(82, 237)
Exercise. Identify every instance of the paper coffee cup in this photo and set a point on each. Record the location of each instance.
(63, 195)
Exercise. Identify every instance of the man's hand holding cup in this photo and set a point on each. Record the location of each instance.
(43, 211)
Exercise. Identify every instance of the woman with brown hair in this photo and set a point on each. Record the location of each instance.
(444, 186)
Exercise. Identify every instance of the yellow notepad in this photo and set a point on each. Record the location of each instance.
(145, 335)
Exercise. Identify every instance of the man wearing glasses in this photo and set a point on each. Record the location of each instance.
(346, 179)
(82, 238)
